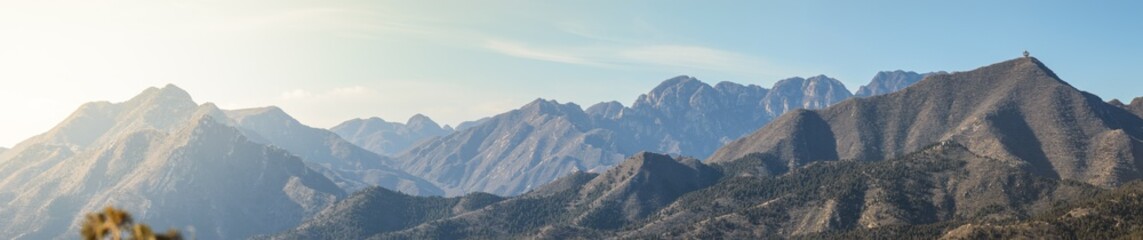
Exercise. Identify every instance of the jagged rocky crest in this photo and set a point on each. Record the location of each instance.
(1016, 110)
(513, 152)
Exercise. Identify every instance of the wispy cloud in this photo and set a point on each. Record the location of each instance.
(522, 51)
(697, 57)
(686, 57)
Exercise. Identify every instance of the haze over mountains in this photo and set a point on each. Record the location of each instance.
(955, 155)
(390, 138)
(964, 155)
(347, 164)
(176, 164)
(512, 152)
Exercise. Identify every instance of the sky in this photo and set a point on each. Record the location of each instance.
(328, 61)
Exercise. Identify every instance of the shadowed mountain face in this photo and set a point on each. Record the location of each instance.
(350, 166)
(1136, 106)
(656, 196)
(377, 210)
(888, 82)
(512, 152)
(1014, 110)
(940, 183)
(623, 195)
(1111, 215)
(162, 157)
(390, 138)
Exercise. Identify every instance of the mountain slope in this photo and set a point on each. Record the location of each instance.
(656, 196)
(581, 202)
(389, 138)
(943, 182)
(347, 164)
(515, 151)
(1136, 106)
(1112, 215)
(377, 210)
(1013, 110)
(162, 158)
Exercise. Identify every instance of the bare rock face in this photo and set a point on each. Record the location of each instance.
(1013, 110)
(798, 93)
(168, 161)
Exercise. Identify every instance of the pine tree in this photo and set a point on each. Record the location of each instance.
(112, 222)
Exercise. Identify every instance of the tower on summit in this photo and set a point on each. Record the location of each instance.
(1026, 54)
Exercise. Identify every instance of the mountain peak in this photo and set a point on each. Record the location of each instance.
(683, 81)
(417, 118)
(420, 121)
(169, 93)
(821, 77)
(1019, 71)
(262, 114)
(889, 81)
(610, 109)
(677, 91)
(544, 106)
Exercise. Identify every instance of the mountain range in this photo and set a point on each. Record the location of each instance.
(229, 174)
(986, 153)
(510, 153)
(1016, 110)
(1007, 150)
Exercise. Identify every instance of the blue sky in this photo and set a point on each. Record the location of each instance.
(329, 61)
